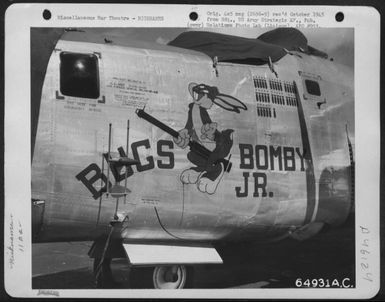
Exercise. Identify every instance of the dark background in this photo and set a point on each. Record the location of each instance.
(329, 255)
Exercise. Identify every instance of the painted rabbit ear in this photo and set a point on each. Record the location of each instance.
(229, 103)
(190, 88)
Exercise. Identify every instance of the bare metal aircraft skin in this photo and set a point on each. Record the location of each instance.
(261, 151)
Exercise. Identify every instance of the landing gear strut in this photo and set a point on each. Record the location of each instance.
(103, 273)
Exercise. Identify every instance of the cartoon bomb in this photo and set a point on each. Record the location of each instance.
(207, 171)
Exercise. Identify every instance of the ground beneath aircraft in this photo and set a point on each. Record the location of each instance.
(329, 256)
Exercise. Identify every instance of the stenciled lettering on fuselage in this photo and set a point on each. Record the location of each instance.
(262, 158)
(254, 162)
(92, 175)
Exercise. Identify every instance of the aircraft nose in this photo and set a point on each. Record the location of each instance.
(336, 196)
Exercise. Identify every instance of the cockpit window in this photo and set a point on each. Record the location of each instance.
(312, 87)
(79, 75)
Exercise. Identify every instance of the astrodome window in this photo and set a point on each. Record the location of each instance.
(79, 75)
(312, 87)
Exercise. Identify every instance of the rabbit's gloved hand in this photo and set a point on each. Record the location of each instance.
(208, 131)
(183, 139)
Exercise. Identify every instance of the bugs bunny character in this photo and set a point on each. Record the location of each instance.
(206, 173)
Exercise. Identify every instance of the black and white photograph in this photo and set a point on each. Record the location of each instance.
(199, 157)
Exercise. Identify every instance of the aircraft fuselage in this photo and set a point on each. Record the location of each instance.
(287, 143)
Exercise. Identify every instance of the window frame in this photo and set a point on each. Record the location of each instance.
(98, 77)
(314, 78)
(312, 82)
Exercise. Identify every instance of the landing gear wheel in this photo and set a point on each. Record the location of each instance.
(170, 277)
(162, 277)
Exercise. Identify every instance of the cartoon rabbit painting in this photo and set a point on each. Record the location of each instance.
(206, 173)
